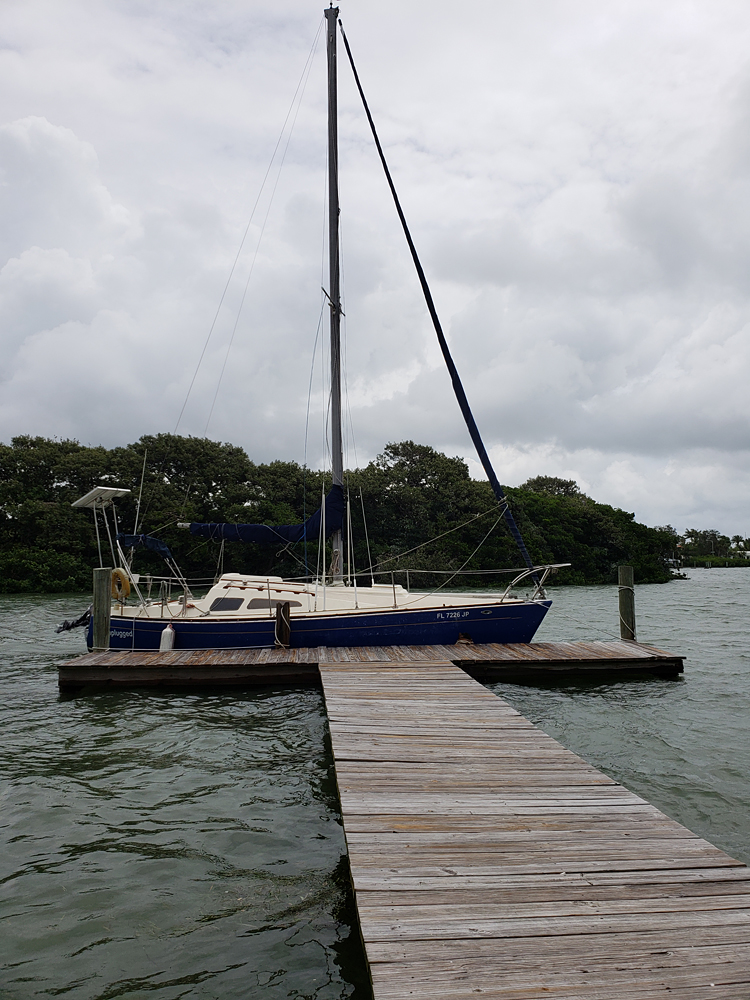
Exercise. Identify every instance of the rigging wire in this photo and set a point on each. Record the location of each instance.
(109, 533)
(327, 390)
(458, 388)
(140, 491)
(326, 386)
(323, 299)
(305, 74)
(348, 423)
(260, 239)
(220, 563)
(98, 539)
(450, 531)
(468, 560)
(287, 550)
(300, 85)
(307, 422)
(344, 338)
(367, 538)
(353, 568)
(589, 625)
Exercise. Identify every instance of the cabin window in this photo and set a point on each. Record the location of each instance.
(262, 602)
(226, 604)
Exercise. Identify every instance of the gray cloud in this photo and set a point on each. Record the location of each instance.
(577, 179)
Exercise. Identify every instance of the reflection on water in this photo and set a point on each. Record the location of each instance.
(189, 845)
(180, 845)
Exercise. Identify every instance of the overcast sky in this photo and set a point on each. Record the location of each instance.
(576, 176)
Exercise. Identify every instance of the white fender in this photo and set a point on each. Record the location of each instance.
(166, 642)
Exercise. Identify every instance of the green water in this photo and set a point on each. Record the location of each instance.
(683, 745)
(165, 845)
(190, 846)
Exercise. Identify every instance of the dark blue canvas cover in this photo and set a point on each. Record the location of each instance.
(147, 541)
(275, 533)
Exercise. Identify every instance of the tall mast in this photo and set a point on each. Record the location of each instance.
(334, 292)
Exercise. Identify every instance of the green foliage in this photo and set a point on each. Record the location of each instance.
(411, 494)
(706, 543)
(595, 538)
(552, 486)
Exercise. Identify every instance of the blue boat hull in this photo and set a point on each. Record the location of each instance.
(417, 627)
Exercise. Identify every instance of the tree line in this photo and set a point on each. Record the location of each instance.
(712, 544)
(411, 499)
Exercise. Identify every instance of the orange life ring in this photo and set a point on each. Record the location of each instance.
(120, 584)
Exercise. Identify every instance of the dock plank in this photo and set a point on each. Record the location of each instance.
(488, 859)
(237, 667)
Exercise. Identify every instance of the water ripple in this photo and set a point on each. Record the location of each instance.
(189, 845)
(173, 845)
(683, 745)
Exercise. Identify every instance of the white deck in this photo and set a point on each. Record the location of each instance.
(257, 597)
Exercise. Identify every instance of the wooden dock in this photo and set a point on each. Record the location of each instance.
(487, 860)
(246, 667)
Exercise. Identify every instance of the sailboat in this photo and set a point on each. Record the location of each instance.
(242, 611)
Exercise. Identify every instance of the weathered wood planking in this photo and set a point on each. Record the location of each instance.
(489, 860)
(243, 667)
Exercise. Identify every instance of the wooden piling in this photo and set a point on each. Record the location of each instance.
(283, 624)
(102, 608)
(626, 593)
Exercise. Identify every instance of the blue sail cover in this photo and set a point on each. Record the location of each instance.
(147, 541)
(275, 533)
